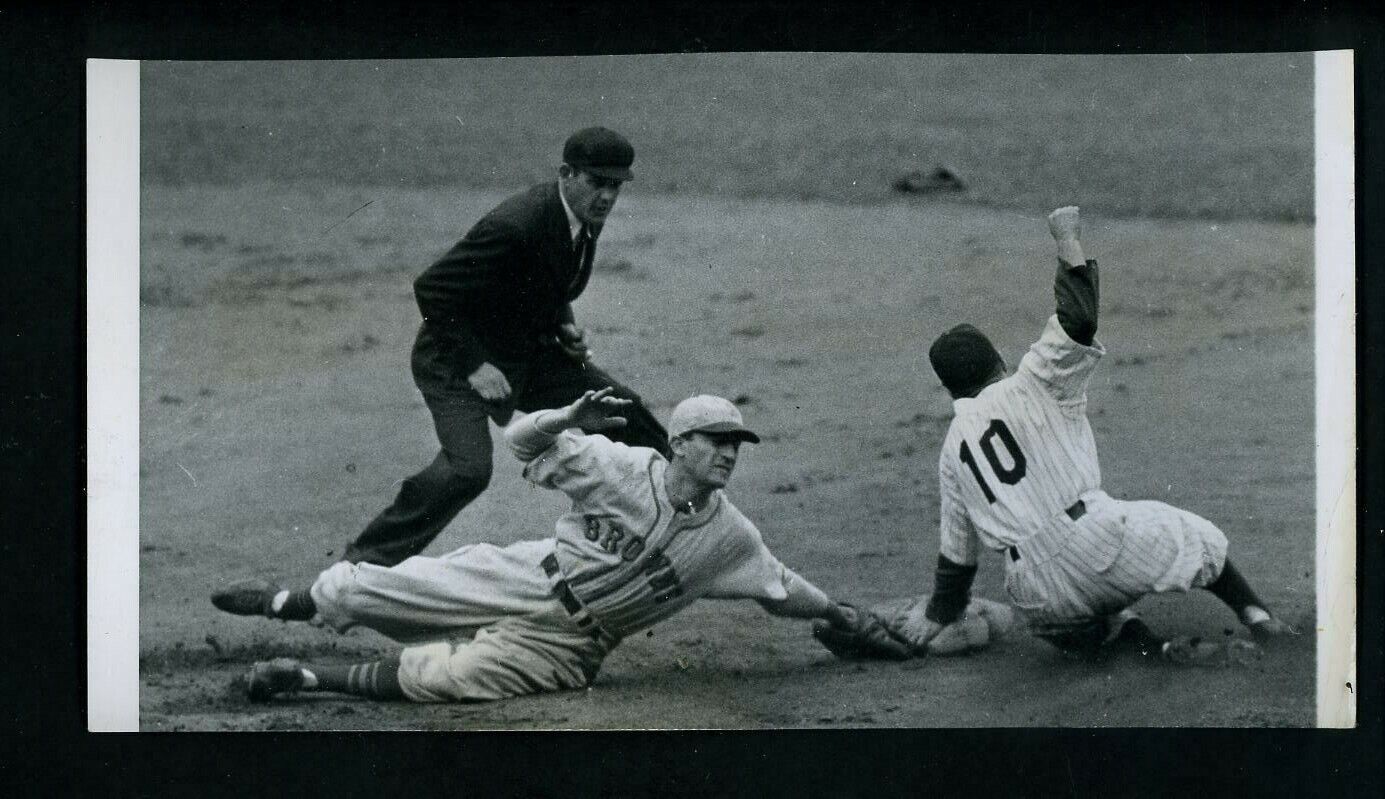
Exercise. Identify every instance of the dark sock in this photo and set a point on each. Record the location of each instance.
(378, 679)
(1136, 633)
(298, 607)
(1231, 588)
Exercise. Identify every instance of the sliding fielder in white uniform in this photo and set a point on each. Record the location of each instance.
(1018, 474)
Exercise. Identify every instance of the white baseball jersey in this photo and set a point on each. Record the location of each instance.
(1020, 451)
(1018, 456)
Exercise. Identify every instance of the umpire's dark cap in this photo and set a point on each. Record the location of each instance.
(964, 359)
(600, 151)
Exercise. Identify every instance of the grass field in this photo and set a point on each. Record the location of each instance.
(286, 208)
(1204, 136)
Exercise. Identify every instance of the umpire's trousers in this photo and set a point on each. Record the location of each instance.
(430, 499)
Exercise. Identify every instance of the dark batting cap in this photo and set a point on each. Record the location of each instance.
(964, 359)
(600, 151)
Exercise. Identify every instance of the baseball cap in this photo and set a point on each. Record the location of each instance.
(600, 151)
(963, 359)
(708, 414)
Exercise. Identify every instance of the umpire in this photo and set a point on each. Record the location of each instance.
(498, 335)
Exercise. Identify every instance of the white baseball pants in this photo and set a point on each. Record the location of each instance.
(486, 620)
(1071, 572)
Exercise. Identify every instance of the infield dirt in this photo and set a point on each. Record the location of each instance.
(278, 414)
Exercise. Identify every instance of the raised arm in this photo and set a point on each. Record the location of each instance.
(1075, 286)
(593, 412)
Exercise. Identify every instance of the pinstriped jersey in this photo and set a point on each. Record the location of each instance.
(623, 550)
(1021, 451)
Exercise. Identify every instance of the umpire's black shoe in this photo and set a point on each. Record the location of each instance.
(252, 597)
(267, 679)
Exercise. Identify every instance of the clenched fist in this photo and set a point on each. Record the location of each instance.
(1066, 227)
(1065, 223)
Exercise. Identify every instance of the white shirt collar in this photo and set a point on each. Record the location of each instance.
(573, 226)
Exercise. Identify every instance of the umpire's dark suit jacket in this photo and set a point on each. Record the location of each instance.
(499, 292)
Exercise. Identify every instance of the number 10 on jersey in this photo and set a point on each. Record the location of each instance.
(1009, 476)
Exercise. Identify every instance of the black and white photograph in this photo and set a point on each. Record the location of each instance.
(735, 391)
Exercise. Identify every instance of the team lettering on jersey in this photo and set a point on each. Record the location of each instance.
(607, 533)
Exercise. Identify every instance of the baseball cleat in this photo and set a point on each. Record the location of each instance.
(268, 679)
(1186, 651)
(252, 597)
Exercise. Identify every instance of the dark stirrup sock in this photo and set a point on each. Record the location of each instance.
(298, 607)
(1231, 588)
(377, 679)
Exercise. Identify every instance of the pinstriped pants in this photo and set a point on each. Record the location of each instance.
(1071, 573)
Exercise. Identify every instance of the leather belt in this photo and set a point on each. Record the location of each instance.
(1074, 511)
(574, 606)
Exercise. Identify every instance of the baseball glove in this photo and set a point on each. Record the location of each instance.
(865, 639)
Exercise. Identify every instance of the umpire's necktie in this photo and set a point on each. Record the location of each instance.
(582, 250)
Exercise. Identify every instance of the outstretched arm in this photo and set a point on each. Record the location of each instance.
(805, 601)
(1075, 287)
(847, 631)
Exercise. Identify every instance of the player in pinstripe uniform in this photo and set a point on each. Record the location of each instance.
(645, 537)
(1018, 473)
